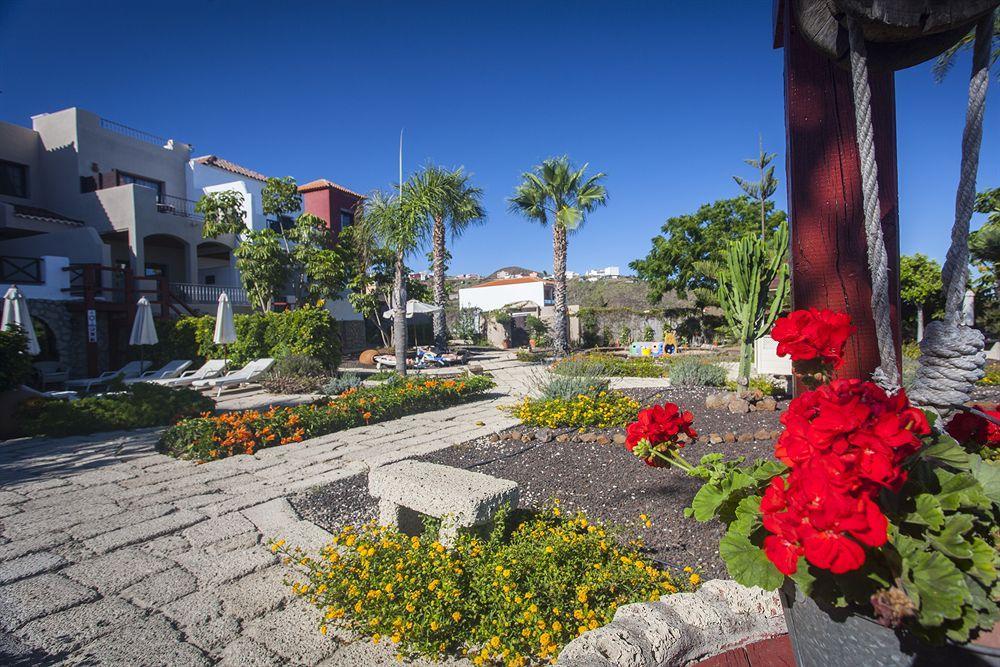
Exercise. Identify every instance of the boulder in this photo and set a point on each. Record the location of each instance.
(562, 437)
(745, 437)
(619, 438)
(603, 440)
(738, 406)
(714, 438)
(762, 434)
(767, 404)
(544, 435)
(729, 437)
(588, 437)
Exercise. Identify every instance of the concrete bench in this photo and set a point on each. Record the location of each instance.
(459, 498)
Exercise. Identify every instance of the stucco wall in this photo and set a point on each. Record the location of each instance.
(21, 145)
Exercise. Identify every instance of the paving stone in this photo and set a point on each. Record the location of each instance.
(11, 498)
(243, 501)
(30, 565)
(143, 531)
(90, 529)
(105, 476)
(256, 594)
(160, 589)
(18, 548)
(68, 630)
(73, 496)
(117, 570)
(293, 634)
(245, 652)
(168, 545)
(243, 541)
(214, 530)
(29, 523)
(9, 510)
(153, 643)
(212, 636)
(28, 599)
(200, 500)
(214, 569)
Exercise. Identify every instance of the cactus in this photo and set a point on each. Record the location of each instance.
(749, 266)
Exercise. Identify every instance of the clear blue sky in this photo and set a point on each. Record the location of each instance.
(667, 98)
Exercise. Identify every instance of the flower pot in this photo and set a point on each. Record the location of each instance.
(823, 636)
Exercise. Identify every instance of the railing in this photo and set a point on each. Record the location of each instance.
(177, 206)
(132, 133)
(26, 270)
(194, 293)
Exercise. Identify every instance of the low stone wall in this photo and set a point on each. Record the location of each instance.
(680, 628)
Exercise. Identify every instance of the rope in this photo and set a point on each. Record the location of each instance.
(952, 355)
(887, 374)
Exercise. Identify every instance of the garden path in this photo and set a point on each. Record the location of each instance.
(112, 554)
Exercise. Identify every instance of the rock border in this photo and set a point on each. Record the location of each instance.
(681, 628)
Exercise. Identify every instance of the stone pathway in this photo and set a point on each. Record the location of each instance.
(112, 554)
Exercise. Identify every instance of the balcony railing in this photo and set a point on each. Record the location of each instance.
(194, 293)
(24, 270)
(177, 206)
(132, 133)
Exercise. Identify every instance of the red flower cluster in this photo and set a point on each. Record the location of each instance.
(658, 429)
(844, 442)
(967, 427)
(813, 334)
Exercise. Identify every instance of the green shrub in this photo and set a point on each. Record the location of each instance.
(15, 364)
(136, 406)
(513, 599)
(295, 374)
(610, 365)
(305, 331)
(691, 371)
(603, 409)
(763, 384)
(992, 376)
(528, 356)
(246, 431)
(568, 387)
(911, 349)
(648, 335)
(340, 383)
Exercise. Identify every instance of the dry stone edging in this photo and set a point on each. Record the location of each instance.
(679, 629)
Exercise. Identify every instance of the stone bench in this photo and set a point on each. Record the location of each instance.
(459, 498)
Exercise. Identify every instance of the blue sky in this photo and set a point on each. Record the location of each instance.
(667, 98)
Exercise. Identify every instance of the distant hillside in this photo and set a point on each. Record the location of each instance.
(512, 271)
(626, 293)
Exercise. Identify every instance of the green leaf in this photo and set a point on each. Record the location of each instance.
(927, 513)
(984, 562)
(747, 516)
(960, 490)
(748, 564)
(988, 475)
(716, 494)
(803, 578)
(931, 579)
(946, 449)
(951, 540)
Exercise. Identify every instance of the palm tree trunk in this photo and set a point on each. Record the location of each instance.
(560, 330)
(920, 323)
(440, 326)
(399, 316)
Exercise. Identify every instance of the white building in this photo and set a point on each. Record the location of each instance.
(606, 272)
(572, 275)
(496, 294)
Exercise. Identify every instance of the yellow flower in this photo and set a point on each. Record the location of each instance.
(695, 579)
(457, 617)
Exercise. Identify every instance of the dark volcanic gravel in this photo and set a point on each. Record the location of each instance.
(604, 480)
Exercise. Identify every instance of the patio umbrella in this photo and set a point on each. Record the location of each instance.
(414, 307)
(15, 314)
(143, 330)
(225, 330)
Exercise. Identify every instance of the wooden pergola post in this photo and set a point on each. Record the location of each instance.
(828, 251)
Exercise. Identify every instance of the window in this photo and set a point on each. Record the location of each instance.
(126, 178)
(13, 179)
(283, 223)
(346, 219)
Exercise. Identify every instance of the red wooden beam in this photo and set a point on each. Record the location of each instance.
(829, 260)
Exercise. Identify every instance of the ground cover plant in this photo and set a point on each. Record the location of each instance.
(692, 371)
(603, 409)
(340, 383)
(757, 383)
(514, 598)
(610, 365)
(296, 374)
(135, 406)
(244, 432)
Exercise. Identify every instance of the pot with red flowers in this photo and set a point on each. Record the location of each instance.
(877, 522)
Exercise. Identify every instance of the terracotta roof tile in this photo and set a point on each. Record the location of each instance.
(323, 183)
(511, 281)
(43, 214)
(216, 161)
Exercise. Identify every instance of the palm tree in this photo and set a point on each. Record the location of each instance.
(946, 60)
(400, 221)
(556, 192)
(452, 203)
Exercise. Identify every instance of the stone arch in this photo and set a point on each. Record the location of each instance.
(168, 255)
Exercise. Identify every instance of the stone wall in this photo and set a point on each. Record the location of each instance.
(352, 336)
(69, 329)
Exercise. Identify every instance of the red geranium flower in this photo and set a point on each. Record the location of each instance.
(813, 334)
(658, 429)
(967, 427)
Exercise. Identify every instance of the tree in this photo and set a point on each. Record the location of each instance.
(750, 266)
(554, 192)
(318, 264)
(984, 248)
(946, 60)
(223, 213)
(263, 266)
(280, 198)
(452, 203)
(676, 258)
(400, 222)
(919, 283)
(760, 190)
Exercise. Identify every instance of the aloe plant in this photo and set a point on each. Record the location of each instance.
(749, 267)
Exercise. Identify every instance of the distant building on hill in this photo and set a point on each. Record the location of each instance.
(606, 272)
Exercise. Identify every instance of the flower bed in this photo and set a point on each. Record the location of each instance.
(510, 599)
(603, 409)
(214, 437)
(136, 406)
(609, 365)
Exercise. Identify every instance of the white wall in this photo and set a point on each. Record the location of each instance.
(498, 296)
(56, 280)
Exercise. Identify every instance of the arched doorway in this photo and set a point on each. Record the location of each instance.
(165, 255)
(215, 264)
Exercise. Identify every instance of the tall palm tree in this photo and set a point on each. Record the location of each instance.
(946, 60)
(452, 203)
(557, 193)
(400, 221)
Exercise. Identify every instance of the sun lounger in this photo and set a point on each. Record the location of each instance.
(130, 370)
(210, 369)
(245, 375)
(169, 371)
(58, 395)
(51, 372)
(388, 361)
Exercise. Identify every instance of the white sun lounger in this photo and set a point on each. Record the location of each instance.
(210, 369)
(170, 370)
(245, 375)
(130, 370)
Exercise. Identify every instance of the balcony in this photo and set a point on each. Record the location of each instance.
(199, 294)
(132, 133)
(177, 206)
